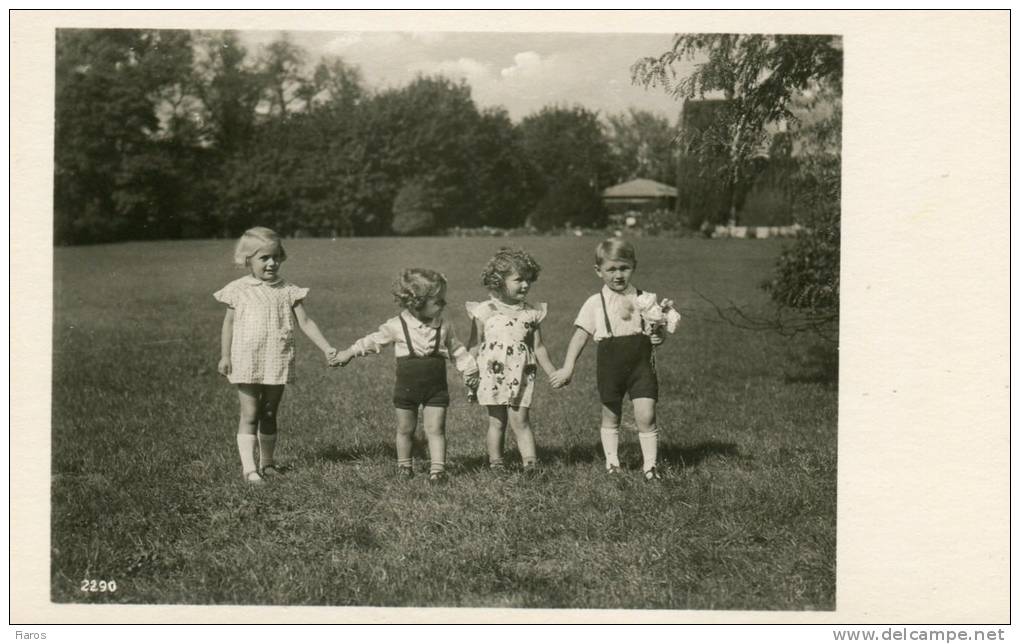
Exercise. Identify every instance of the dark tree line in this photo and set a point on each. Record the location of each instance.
(176, 134)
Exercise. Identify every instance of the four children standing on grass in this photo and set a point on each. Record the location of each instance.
(499, 366)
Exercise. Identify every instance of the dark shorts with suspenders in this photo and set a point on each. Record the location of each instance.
(625, 365)
(421, 380)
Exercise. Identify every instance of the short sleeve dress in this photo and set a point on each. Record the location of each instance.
(262, 349)
(506, 357)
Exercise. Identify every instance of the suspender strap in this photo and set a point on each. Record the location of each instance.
(407, 337)
(605, 315)
(642, 319)
(439, 333)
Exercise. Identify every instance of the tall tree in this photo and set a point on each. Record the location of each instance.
(281, 66)
(229, 88)
(108, 85)
(765, 80)
(643, 145)
(757, 74)
(570, 157)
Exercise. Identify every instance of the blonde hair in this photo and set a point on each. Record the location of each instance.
(416, 285)
(615, 249)
(252, 240)
(506, 261)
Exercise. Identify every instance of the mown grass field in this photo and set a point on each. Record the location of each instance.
(147, 490)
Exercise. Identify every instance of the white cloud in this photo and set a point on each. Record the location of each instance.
(526, 63)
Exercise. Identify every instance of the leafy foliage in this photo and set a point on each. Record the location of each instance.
(758, 76)
(766, 80)
(413, 210)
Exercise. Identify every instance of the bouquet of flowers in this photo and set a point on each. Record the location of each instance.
(657, 314)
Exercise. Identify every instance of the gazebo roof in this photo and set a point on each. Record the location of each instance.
(639, 188)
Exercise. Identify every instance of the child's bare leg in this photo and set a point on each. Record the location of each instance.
(269, 403)
(610, 433)
(248, 397)
(648, 434)
(521, 423)
(496, 433)
(407, 421)
(435, 431)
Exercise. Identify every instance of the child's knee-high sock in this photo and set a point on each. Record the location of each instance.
(611, 445)
(404, 445)
(649, 447)
(246, 448)
(267, 446)
(437, 452)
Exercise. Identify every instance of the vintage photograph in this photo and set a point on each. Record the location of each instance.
(446, 319)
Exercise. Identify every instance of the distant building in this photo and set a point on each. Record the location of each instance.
(639, 195)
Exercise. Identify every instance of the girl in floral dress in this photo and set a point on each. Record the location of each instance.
(507, 334)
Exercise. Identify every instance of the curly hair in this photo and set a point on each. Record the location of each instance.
(252, 240)
(416, 285)
(506, 261)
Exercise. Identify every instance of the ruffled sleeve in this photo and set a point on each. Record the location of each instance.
(478, 310)
(295, 294)
(227, 295)
(539, 312)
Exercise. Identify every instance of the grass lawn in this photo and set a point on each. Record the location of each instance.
(146, 482)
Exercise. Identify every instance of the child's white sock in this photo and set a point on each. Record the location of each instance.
(267, 445)
(649, 447)
(611, 445)
(246, 448)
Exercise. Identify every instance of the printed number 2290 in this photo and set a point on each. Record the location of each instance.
(98, 586)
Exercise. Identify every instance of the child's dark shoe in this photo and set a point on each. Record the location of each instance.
(652, 476)
(437, 478)
(405, 472)
(270, 471)
(613, 470)
(497, 468)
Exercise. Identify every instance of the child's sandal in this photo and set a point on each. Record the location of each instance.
(405, 472)
(253, 478)
(437, 478)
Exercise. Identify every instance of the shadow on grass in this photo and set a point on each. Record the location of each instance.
(671, 454)
(818, 364)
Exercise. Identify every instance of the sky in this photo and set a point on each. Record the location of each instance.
(521, 72)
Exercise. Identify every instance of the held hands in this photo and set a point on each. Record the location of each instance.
(339, 358)
(224, 366)
(471, 380)
(560, 378)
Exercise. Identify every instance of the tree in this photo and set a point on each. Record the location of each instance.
(758, 75)
(281, 67)
(643, 146)
(229, 89)
(569, 156)
(109, 165)
(413, 210)
(766, 80)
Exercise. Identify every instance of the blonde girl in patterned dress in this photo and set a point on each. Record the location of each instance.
(257, 344)
(507, 334)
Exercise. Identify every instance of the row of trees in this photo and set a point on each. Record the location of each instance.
(170, 134)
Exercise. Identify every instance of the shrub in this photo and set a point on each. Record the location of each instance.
(413, 210)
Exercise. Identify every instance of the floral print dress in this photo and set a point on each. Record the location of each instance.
(506, 355)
